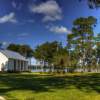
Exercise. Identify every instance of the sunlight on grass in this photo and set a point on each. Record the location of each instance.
(70, 94)
(28, 86)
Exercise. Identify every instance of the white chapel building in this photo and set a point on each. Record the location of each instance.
(12, 61)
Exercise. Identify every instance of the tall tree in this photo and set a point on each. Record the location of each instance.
(97, 41)
(46, 52)
(81, 38)
(61, 60)
(93, 3)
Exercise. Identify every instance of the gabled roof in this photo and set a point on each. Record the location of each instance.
(13, 55)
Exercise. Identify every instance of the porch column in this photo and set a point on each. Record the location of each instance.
(16, 65)
(26, 63)
(23, 66)
(20, 65)
(12, 64)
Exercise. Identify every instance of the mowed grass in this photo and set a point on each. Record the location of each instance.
(29, 86)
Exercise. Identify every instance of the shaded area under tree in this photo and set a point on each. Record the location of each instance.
(85, 83)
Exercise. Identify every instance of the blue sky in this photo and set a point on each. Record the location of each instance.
(34, 22)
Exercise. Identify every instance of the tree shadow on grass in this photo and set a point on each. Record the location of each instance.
(11, 82)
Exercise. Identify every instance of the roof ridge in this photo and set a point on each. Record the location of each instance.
(12, 54)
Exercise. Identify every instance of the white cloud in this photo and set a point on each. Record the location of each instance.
(59, 29)
(4, 44)
(30, 21)
(8, 18)
(23, 35)
(16, 5)
(49, 9)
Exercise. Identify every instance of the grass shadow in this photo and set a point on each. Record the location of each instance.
(36, 83)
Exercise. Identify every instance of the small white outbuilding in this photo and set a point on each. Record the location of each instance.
(12, 61)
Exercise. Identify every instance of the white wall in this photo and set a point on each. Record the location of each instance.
(10, 66)
(33, 62)
(3, 61)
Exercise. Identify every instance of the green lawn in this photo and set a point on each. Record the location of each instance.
(48, 87)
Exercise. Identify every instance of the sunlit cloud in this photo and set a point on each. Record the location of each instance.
(16, 5)
(50, 10)
(8, 18)
(59, 29)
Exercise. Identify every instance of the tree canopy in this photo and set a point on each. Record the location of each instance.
(80, 42)
(24, 50)
(53, 53)
(93, 3)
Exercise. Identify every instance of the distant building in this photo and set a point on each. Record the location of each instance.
(36, 65)
(12, 61)
(34, 62)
